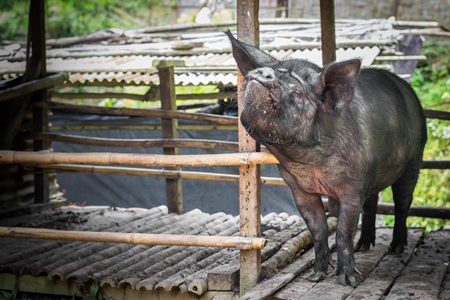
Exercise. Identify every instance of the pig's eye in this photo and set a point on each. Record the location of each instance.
(296, 90)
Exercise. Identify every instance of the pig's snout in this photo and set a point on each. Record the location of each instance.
(263, 75)
(263, 84)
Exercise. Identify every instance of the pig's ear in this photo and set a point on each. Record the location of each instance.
(248, 57)
(337, 84)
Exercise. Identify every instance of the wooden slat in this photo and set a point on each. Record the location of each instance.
(270, 286)
(381, 277)
(423, 276)
(365, 262)
(378, 271)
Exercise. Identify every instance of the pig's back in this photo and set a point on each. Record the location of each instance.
(391, 123)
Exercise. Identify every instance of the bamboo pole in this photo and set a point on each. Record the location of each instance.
(134, 238)
(122, 111)
(110, 158)
(32, 86)
(153, 173)
(144, 97)
(136, 143)
(141, 127)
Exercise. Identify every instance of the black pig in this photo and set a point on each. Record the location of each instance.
(339, 131)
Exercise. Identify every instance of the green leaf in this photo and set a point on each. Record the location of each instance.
(94, 289)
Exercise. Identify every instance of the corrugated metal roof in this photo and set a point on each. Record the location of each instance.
(139, 266)
(206, 55)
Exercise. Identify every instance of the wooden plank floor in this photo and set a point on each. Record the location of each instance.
(420, 272)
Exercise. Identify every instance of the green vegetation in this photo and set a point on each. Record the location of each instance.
(431, 81)
(4, 295)
(77, 17)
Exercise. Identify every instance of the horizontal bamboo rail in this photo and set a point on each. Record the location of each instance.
(137, 143)
(89, 126)
(122, 111)
(153, 173)
(142, 97)
(32, 86)
(110, 158)
(241, 243)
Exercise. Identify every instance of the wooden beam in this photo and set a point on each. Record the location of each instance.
(249, 183)
(41, 118)
(35, 68)
(328, 31)
(32, 86)
(170, 131)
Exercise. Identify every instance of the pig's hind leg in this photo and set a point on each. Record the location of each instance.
(402, 191)
(368, 224)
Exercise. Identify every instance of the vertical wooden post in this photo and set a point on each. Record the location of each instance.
(40, 115)
(35, 68)
(249, 179)
(328, 31)
(170, 130)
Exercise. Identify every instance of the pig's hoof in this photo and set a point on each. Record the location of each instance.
(343, 279)
(315, 276)
(364, 245)
(396, 249)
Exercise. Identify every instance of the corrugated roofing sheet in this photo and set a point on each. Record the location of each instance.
(206, 55)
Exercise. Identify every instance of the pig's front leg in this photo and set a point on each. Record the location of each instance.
(350, 208)
(312, 211)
